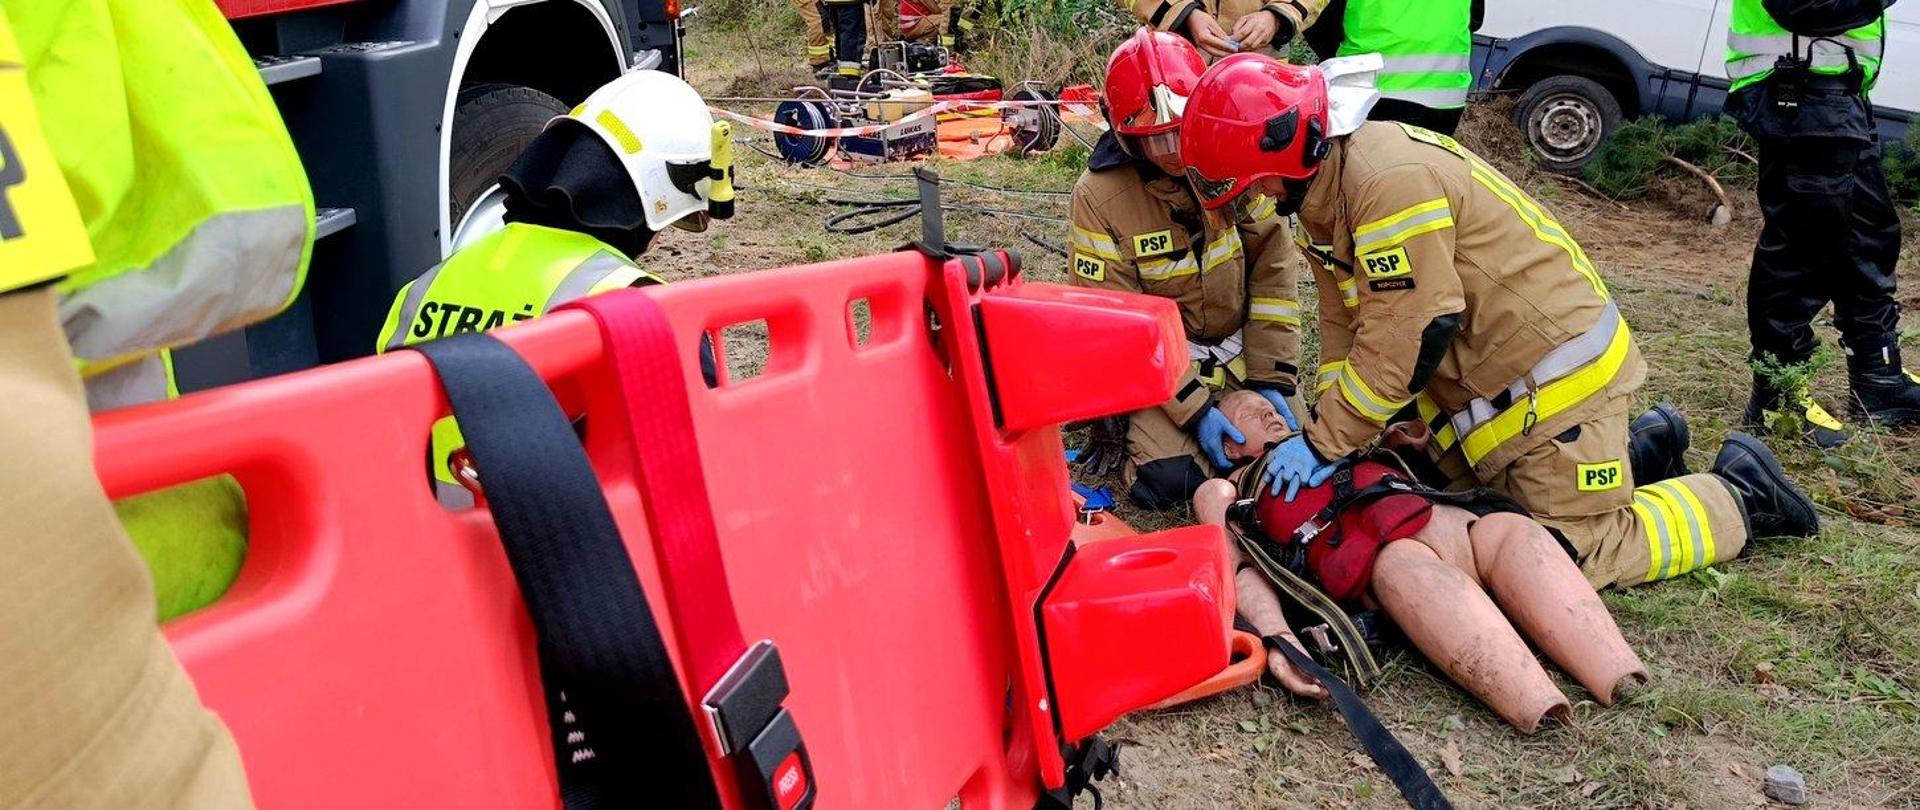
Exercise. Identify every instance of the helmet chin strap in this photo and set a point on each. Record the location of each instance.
(1350, 90)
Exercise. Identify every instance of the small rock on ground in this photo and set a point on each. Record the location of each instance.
(1785, 785)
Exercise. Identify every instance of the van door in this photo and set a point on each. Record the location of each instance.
(1899, 87)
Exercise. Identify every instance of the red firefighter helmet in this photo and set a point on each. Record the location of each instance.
(1252, 117)
(1149, 78)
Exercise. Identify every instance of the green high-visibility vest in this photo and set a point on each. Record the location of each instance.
(1426, 44)
(511, 275)
(196, 206)
(1755, 42)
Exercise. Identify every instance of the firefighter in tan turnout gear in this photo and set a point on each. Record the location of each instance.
(1221, 27)
(1446, 291)
(1138, 228)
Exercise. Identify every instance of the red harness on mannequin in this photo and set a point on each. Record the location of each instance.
(1336, 530)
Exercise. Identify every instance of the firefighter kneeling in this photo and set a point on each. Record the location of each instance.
(1446, 291)
(585, 199)
(1137, 227)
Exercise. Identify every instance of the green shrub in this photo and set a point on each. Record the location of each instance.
(1637, 153)
(1903, 168)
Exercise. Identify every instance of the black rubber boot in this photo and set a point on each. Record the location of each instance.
(1768, 404)
(1657, 445)
(1773, 506)
(1883, 392)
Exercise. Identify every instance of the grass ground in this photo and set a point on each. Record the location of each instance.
(1804, 653)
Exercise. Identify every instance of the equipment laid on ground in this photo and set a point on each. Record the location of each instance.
(931, 636)
(896, 115)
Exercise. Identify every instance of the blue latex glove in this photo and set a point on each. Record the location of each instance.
(1294, 463)
(1213, 431)
(1280, 404)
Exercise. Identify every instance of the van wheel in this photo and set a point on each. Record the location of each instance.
(492, 123)
(1566, 119)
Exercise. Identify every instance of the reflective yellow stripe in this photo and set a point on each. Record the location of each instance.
(819, 51)
(1278, 310)
(1220, 250)
(1700, 528)
(1668, 524)
(1369, 404)
(1544, 227)
(1329, 374)
(1659, 540)
(1429, 409)
(1707, 551)
(1550, 400)
(1263, 209)
(1162, 269)
(1686, 529)
(1432, 215)
(1098, 244)
(1349, 295)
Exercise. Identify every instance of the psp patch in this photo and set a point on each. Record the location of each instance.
(1153, 244)
(1089, 268)
(1599, 477)
(1388, 269)
(1425, 135)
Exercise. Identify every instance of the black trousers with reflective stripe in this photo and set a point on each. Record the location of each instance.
(1831, 234)
(848, 22)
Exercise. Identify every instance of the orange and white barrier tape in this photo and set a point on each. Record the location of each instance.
(939, 108)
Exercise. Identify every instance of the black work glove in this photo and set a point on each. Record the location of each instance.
(1106, 447)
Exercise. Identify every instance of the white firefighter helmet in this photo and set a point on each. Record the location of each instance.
(663, 134)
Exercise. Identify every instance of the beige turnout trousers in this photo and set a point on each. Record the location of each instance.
(1578, 482)
(95, 712)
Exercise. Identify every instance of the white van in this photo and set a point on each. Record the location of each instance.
(1579, 66)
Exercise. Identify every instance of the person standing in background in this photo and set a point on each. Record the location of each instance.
(1802, 71)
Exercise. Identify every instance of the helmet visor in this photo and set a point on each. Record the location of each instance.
(1161, 112)
(1164, 146)
(1213, 193)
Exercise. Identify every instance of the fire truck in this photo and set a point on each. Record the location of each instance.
(404, 112)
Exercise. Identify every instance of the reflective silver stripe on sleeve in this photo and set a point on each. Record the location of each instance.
(580, 280)
(410, 307)
(233, 269)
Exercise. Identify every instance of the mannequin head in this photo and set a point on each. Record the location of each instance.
(1257, 420)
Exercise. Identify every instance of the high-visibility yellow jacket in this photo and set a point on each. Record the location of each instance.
(509, 276)
(195, 204)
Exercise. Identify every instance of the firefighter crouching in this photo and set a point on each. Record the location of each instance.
(1446, 291)
(585, 199)
(1138, 227)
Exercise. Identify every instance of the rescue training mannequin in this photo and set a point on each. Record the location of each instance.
(1137, 227)
(1464, 588)
(586, 198)
(1448, 294)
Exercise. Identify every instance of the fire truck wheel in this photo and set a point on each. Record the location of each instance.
(491, 124)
